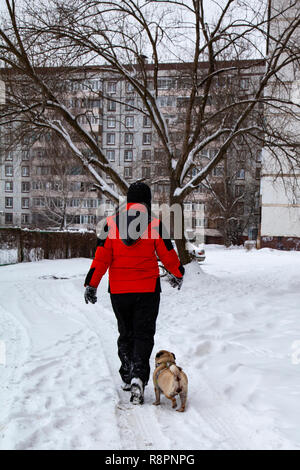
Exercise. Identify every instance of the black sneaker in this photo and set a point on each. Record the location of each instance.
(126, 387)
(137, 392)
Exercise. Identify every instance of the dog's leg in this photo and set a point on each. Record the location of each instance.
(157, 396)
(183, 397)
(174, 402)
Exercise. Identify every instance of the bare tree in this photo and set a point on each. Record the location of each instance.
(232, 204)
(118, 36)
(55, 203)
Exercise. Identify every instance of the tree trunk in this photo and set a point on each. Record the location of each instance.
(183, 253)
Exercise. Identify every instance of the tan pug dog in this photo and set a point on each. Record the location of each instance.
(169, 379)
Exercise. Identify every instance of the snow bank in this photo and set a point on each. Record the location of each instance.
(8, 256)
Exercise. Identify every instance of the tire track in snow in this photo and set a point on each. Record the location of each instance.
(16, 342)
(61, 400)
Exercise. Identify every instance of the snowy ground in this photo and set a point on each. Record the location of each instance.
(232, 327)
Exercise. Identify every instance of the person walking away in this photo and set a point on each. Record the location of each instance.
(134, 282)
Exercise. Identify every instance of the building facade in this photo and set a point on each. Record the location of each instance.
(36, 192)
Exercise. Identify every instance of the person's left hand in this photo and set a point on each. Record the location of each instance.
(90, 295)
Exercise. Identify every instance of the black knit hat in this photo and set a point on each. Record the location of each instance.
(139, 192)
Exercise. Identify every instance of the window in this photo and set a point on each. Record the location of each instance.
(8, 218)
(112, 88)
(87, 85)
(43, 170)
(159, 154)
(146, 139)
(36, 185)
(129, 88)
(166, 83)
(90, 203)
(129, 104)
(9, 171)
(9, 186)
(239, 190)
(9, 202)
(259, 156)
(25, 155)
(218, 171)
(75, 170)
(25, 218)
(111, 122)
(78, 186)
(198, 222)
(161, 188)
(25, 186)
(129, 121)
(128, 139)
(146, 155)
(241, 174)
(111, 106)
(9, 157)
(25, 202)
(198, 206)
(146, 172)
(257, 173)
(111, 139)
(146, 121)
(74, 203)
(88, 219)
(187, 206)
(245, 83)
(169, 101)
(128, 155)
(128, 172)
(25, 171)
(75, 219)
(39, 202)
(110, 155)
(201, 189)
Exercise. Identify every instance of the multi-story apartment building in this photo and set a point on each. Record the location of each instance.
(34, 187)
(280, 182)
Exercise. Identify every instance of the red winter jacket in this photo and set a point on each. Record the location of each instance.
(132, 264)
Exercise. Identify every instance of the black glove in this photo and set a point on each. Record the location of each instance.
(175, 281)
(90, 295)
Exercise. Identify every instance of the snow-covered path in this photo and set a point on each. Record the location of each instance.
(232, 328)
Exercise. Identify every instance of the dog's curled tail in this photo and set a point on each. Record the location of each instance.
(176, 372)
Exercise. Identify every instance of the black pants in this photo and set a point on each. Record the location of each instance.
(136, 314)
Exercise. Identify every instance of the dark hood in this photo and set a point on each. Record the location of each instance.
(132, 222)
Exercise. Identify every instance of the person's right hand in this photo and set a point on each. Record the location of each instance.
(90, 295)
(176, 281)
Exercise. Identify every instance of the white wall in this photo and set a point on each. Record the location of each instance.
(280, 208)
